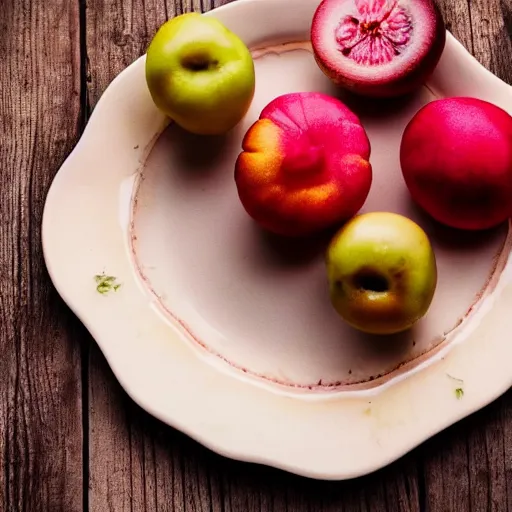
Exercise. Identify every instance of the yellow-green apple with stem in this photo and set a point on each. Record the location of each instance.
(200, 74)
(382, 272)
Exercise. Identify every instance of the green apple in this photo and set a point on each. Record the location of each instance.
(382, 272)
(200, 74)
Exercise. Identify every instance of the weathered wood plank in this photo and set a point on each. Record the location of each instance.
(469, 467)
(491, 21)
(260, 489)
(40, 385)
(457, 18)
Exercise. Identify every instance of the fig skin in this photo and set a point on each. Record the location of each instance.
(304, 166)
(456, 159)
(405, 72)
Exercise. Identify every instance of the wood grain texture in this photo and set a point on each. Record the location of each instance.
(40, 384)
(135, 462)
(491, 22)
(457, 19)
(469, 466)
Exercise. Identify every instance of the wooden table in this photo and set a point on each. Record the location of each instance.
(70, 438)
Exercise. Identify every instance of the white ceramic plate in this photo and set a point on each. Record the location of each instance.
(227, 333)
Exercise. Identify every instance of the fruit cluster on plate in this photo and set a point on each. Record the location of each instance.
(305, 163)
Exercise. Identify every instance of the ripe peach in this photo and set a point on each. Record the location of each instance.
(378, 47)
(456, 158)
(304, 165)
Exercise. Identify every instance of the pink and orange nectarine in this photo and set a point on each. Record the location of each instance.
(304, 165)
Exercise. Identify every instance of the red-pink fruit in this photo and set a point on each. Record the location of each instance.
(304, 165)
(456, 158)
(378, 47)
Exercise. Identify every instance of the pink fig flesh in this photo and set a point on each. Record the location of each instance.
(378, 48)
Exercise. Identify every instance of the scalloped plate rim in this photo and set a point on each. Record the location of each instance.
(196, 432)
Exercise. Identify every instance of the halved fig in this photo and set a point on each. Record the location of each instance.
(378, 48)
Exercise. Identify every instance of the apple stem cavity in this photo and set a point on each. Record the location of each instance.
(371, 281)
(198, 63)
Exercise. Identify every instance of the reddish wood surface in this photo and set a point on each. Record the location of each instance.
(40, 341)
(70, 438)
